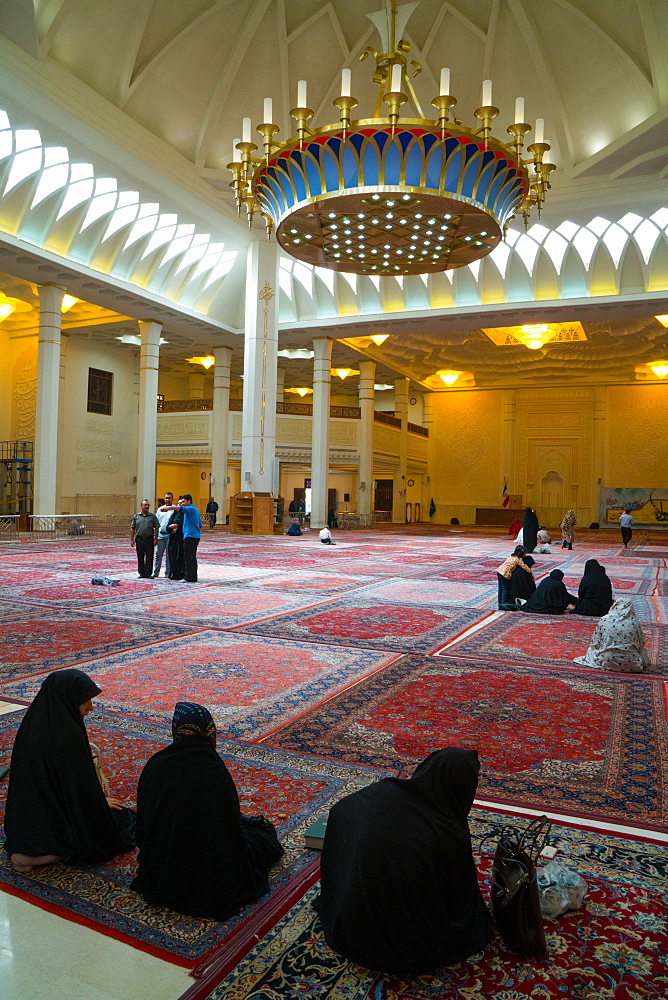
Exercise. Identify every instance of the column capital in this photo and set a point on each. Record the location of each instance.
(51, 298)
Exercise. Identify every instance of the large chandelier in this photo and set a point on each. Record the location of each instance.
(391, 195)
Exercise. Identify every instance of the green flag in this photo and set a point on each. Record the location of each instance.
(432, 508)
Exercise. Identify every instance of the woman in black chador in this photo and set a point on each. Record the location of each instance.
(197, 854)
(56, 808)
(399, 889)
(175, 544)
(521, 584)
(595, 591)
(550, 596)
(530, 532)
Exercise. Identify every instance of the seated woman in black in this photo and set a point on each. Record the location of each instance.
(521, 584)
(550, 596)
(595, 591)
(197, 854)
(399, 889)
(56, 808)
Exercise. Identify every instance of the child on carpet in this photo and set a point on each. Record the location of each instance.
(504, 573)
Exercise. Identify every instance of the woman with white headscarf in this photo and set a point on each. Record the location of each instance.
(618, 642)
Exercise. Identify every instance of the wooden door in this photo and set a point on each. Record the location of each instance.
(384, 492)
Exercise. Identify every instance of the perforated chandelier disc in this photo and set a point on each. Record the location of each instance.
(396, 233)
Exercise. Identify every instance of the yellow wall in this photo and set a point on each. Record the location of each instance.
(637, 435)
(184, 477)
(97, 452)
(556, 446)
(465, 451)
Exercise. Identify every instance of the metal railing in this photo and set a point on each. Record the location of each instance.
(9, 527)
(47, 527)
(73, 527)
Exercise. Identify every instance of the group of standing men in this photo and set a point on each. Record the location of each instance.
(174, 531)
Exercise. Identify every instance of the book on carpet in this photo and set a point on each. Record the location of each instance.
(315, 834)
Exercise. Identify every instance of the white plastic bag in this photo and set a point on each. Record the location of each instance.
(560, 889)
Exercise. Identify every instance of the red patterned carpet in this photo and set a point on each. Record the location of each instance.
(325, 658)
(42, 642)
(614, 948)
(367, 623)
(581, 743)
(250, 685)
(548, 641)
(289, 789)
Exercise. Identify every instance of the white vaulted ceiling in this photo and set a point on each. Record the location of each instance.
(189, 70)
(150, 95)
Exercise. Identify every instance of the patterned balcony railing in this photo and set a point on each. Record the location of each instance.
(386, 418)
(291, 409)
(184, 405)
(236, 405)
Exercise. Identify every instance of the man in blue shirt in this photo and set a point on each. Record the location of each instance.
(192, 527)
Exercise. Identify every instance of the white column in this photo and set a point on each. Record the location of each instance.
(280, 384)
(599, 467)
(62, 412)
(399, 492)
(427, 480)
(148, 408)
(322, 362)
(507, 455)
(258, 436)
(220, 423)
(46, 416)
(366, 401)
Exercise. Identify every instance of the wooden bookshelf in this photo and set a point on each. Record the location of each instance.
(252, 514)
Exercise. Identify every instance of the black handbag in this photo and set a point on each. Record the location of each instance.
(514, 890)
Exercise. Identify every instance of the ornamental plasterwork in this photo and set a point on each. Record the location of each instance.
(177, 429)
(192, 451)
(25, 397)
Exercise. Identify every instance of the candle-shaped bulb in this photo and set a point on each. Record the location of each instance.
(540, 129)
(346, 77)
(236, 153)
(268, 111)
(246, 130)
(445, 83)
(301, 94)
(395, 84)
(519, 111)
(486, 93)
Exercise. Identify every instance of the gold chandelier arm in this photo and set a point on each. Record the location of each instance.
(411, 92)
